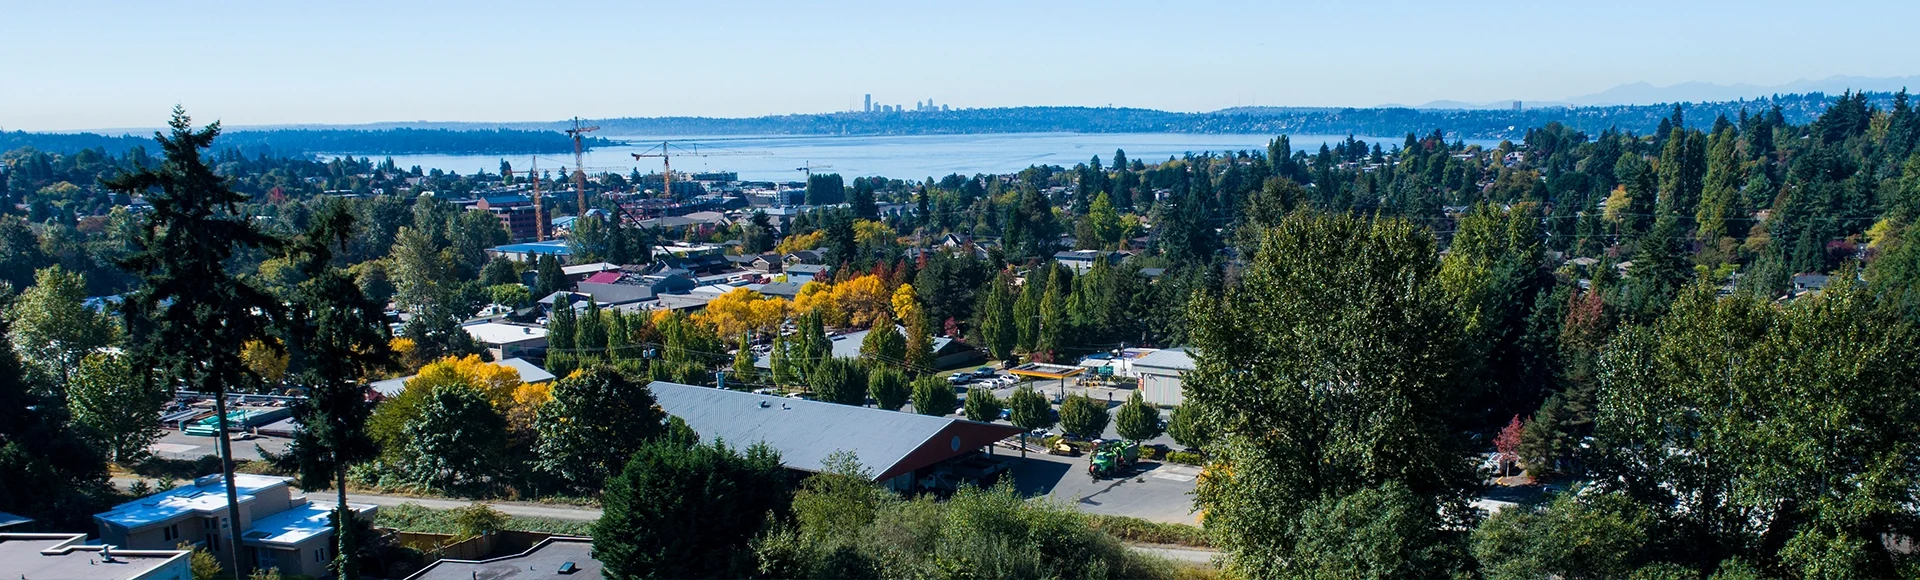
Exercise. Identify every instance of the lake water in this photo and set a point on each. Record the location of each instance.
(912, 157)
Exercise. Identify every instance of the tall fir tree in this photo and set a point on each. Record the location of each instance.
(190, 317)
(335, 342)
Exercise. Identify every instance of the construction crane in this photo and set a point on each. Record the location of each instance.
(809, 167)
(539, 224)
(579, 160)
(667, 151)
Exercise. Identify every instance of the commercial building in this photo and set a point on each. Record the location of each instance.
(515, 212)
(69, 557)
(504, 340)
(1161, 373)
(532, 250)
(904, 451)
(278, 529)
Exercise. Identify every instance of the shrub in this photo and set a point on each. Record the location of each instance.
(1131, 529)
(1187, 458)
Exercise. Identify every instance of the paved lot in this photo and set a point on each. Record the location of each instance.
(176, 445)
(1156, 491)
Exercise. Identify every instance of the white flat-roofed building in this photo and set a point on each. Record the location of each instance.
(505, 340)
(279, 530)
(69, 557)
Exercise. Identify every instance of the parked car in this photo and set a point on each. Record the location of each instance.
(959, 379)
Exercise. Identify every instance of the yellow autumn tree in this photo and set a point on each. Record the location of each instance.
(906, 304)
(864, 300)
(501, 385)
(266, 359)
(740, 311)
(817, 298)
(868, 232)
(799, 242)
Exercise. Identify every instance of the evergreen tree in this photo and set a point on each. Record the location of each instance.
(190, 318)
(883, 344)
(335, 342)
(562, 330)
(548, 277)
(862, 199)
(1721, 212)
(781, 362)
(998, 328)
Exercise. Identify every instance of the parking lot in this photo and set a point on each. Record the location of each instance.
(1157, 491)
(176, 445)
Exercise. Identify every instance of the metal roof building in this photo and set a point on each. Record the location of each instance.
(898, 447)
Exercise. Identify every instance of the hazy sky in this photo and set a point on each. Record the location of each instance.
(73, 64)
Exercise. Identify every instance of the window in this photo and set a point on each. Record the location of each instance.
(170, 533)
(320, 556)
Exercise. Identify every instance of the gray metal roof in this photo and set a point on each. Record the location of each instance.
(806, 432)
(1167, 358)
(617, 293)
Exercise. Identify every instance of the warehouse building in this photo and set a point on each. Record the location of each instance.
(906, 452)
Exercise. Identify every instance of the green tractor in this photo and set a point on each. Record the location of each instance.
(1112, 457)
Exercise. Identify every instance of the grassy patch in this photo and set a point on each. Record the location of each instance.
(416, 518)
(1137, 530)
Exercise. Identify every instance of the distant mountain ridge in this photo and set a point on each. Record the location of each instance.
(1645, 93)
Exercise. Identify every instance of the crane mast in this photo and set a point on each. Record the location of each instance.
(579, 161)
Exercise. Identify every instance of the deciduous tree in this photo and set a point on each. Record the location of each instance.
(933, 396)
(1137, 420)
(1083, 417)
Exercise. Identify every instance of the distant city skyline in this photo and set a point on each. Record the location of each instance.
(91, 65)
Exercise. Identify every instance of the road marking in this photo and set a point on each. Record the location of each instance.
(171, 448)
(1173, 476)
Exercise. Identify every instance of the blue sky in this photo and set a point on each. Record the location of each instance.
(75, 64)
